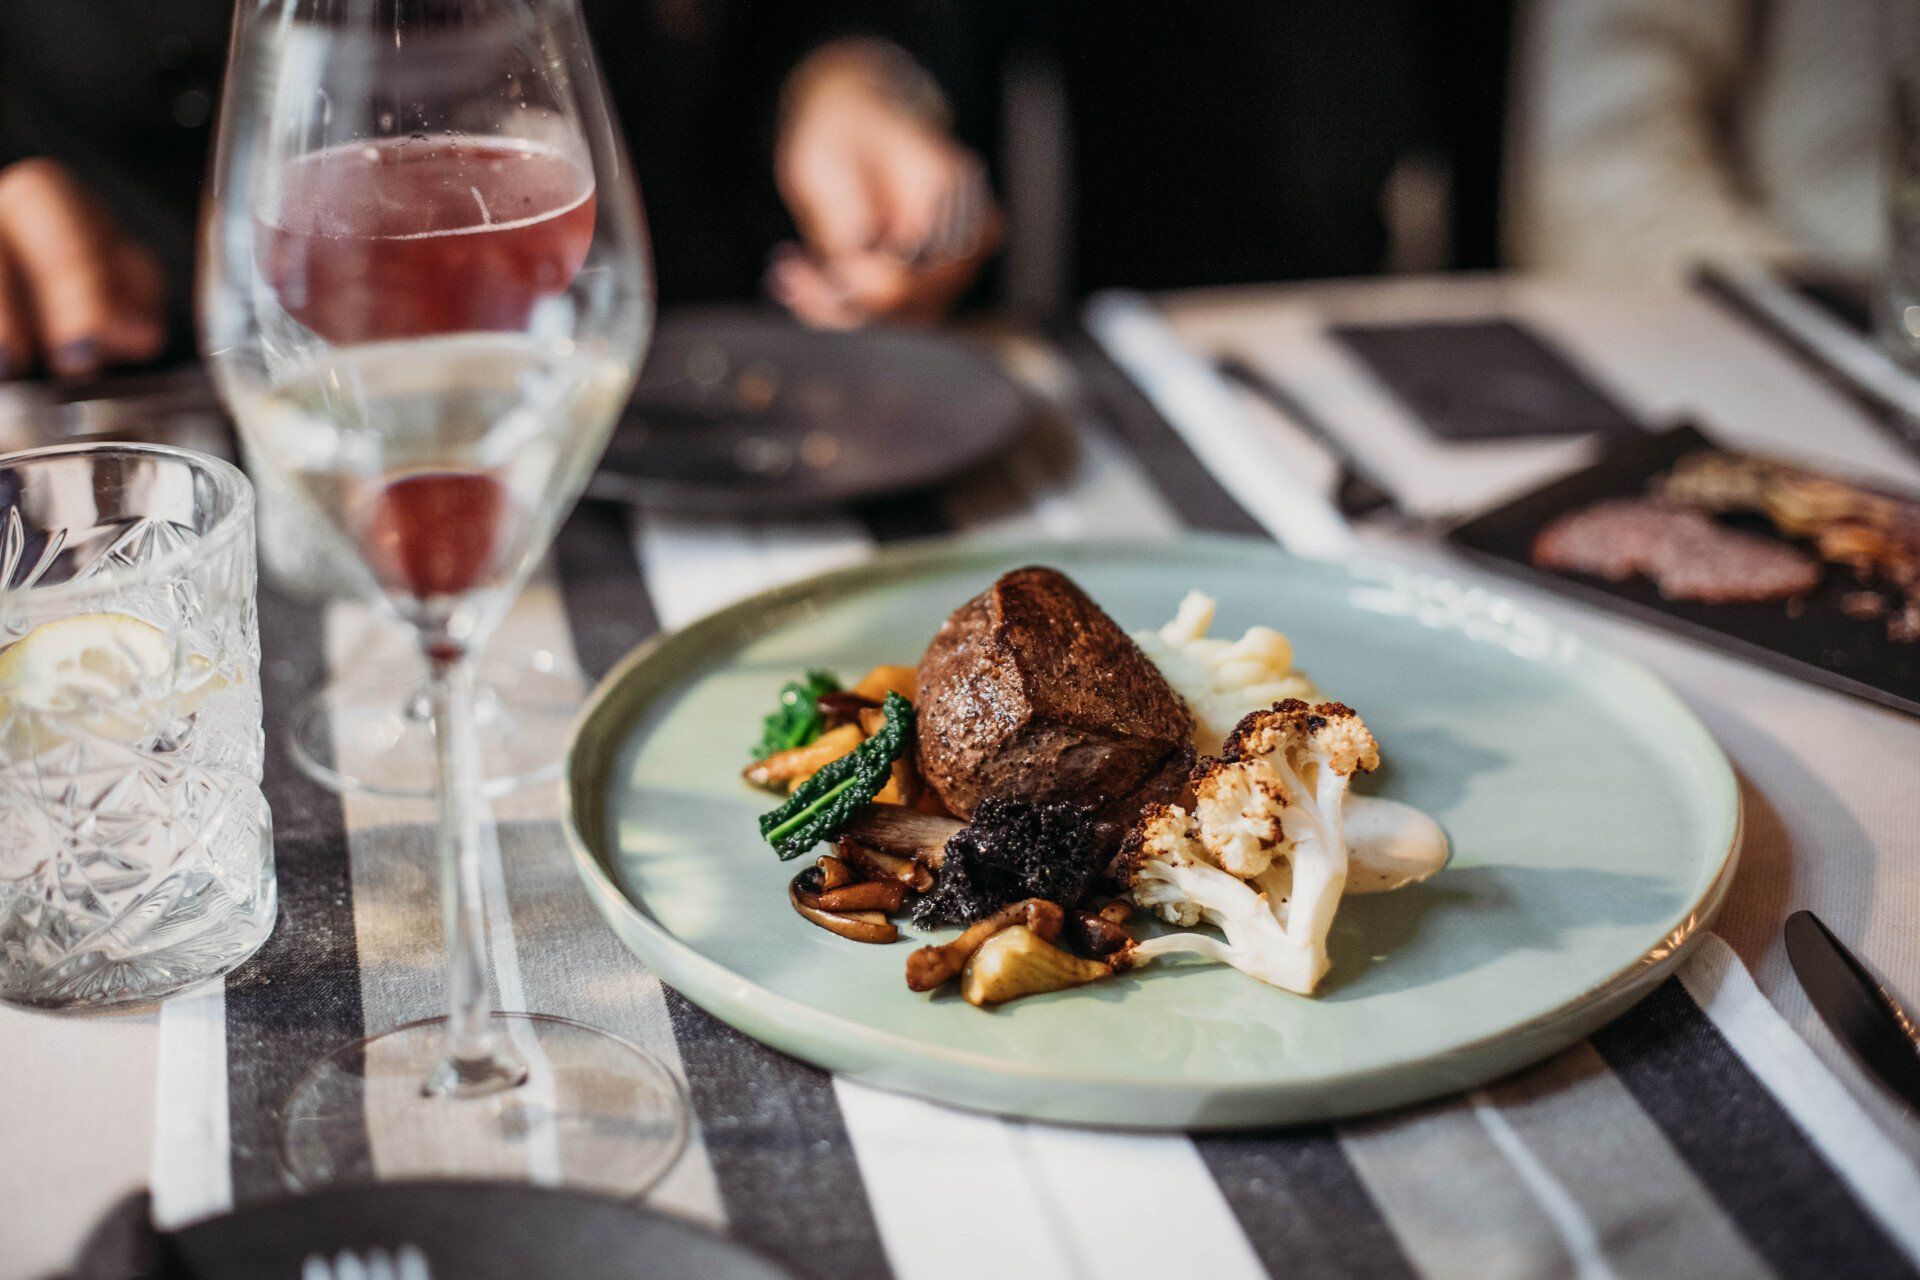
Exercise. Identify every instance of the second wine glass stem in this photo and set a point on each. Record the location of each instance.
(477, 1062)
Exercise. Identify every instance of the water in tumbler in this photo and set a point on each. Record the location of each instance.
(135, 850)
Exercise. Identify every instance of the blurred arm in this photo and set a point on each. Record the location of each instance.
(1623, 154)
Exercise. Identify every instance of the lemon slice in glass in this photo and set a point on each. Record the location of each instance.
(96, 674)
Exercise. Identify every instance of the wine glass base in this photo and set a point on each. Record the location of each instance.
(596, 1112)
(370, 732)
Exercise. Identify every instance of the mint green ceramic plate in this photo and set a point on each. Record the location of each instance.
(1594, 825)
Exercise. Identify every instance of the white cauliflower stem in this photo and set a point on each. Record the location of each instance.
(1173, 878)
(1263, 855)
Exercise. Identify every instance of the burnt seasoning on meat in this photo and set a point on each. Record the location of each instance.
(1030, 691)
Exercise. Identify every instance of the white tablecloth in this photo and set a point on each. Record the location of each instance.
(1716, 1131)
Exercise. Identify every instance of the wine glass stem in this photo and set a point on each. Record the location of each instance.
(476, 1062)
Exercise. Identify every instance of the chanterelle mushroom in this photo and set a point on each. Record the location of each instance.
(932, 967)
(1019, 962)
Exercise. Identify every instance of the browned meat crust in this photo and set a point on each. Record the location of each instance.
(1687, 555)
(1031, 691)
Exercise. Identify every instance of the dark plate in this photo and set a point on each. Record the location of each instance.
(1821, 644)
(464, 1231)
(742, 411)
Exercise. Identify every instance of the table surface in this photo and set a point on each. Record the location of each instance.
(1716, 1130)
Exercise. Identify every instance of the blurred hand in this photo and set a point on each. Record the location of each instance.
(896, 216)
(75, 292)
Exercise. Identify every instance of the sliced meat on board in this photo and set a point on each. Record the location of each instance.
(1687, 555)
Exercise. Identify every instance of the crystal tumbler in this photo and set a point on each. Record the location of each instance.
(136, 849)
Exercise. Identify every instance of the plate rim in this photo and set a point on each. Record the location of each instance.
(681, 496)
(843, 1045)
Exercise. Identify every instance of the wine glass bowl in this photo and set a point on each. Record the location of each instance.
(424, 292)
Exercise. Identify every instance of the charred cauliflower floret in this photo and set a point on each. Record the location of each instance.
(1162, 865)
(1307, 737)
(1167, 871)
(1237, 813)
(1263, 855)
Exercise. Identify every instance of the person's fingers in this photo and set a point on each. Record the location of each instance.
(813, 296)
(885, 287)
(917, 179)
(855, 289)
(970, 221)
(931, 291)
(70, 261)
(876, 281)
(16, 325)
(829, 196)
(138, 332)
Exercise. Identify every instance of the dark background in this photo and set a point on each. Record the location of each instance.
(1233, 141)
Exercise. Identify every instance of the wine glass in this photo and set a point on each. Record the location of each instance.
(367, 729)
(424, 290)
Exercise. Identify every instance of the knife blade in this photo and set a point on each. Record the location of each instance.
(1357, 491)
(1857, 1009)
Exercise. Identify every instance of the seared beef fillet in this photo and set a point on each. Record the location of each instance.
(1029, 691)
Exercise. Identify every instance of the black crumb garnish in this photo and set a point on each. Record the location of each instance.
(1013, 849)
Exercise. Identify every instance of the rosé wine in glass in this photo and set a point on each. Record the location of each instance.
(426, 234)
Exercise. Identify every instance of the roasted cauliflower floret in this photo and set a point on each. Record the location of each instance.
(1161, 860)
(1238, 808)
(1263, 856)
(1306, 736)
(1167, 871)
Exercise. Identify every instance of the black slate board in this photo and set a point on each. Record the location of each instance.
(468, 1230)
(1821, 644)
